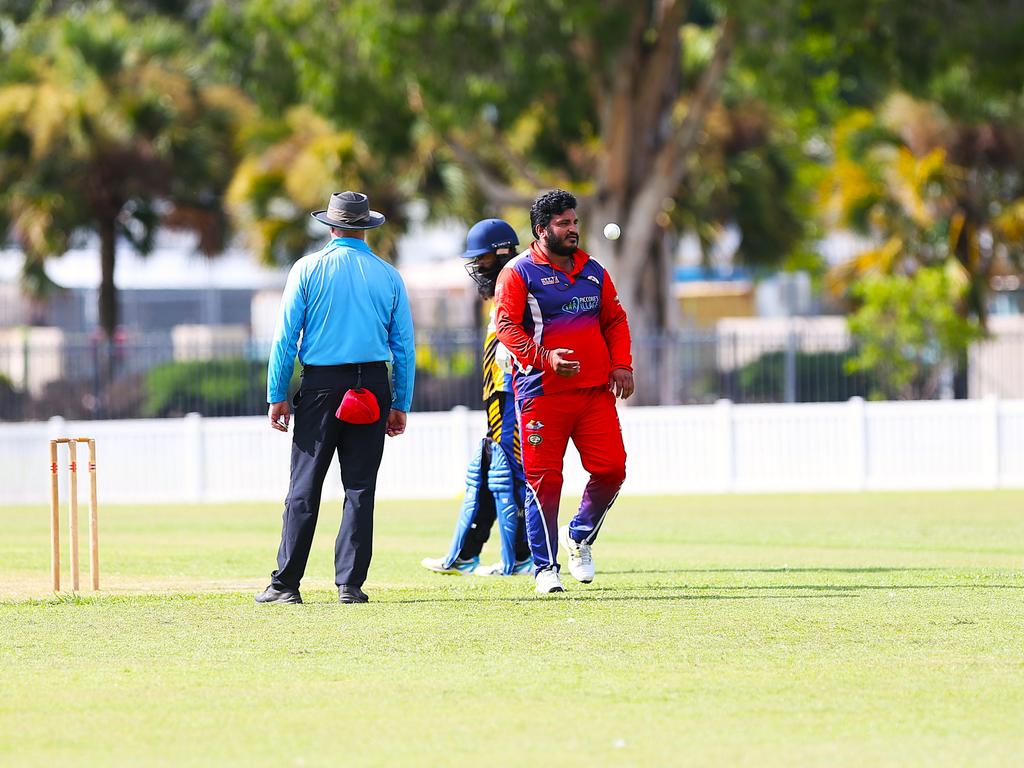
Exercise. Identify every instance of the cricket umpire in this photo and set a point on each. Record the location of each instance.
(352, 312)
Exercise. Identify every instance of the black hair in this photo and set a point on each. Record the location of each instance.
(549, 204)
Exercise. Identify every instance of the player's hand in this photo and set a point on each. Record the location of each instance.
(562, 365)
(396, 423)
(620, 382)
(280, 415)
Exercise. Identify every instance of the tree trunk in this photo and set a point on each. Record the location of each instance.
(639, 169)
(640, 263)
(644, 157)
(108, 309)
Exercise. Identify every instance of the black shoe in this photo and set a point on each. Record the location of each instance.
(274, 595)
(347, 594)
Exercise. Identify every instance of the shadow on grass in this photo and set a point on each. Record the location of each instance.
(811, 587)
(709, 592)
(774, 570)
(598, 594)
(592, 595)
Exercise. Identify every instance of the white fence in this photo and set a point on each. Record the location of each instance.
(686, 449)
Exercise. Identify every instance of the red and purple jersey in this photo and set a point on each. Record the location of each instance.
(540, 308)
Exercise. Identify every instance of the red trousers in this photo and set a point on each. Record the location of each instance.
(547, 423)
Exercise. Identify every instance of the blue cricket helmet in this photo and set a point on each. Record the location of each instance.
(489, 235)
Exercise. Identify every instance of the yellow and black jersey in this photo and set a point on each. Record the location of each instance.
(494, 376)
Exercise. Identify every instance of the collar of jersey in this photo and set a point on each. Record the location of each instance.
(351, 242)
(578, 259)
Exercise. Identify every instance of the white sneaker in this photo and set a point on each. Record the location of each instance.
(548, 581)
(459, 567)
(498, 568)
(581, 563)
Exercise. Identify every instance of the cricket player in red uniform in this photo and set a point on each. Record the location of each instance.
(559, 315)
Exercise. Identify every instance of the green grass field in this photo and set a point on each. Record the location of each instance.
(868, 629)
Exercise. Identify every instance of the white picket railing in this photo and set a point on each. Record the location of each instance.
(685, 449)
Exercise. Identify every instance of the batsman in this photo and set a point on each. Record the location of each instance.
(495, 484)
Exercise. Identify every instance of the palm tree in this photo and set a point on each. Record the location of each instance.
(291, 167)
(930, 191)
(107, 126)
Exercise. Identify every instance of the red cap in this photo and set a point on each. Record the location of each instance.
(359, 406)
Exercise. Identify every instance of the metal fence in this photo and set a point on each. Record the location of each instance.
(160, 375)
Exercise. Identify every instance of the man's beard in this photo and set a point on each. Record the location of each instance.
(486, 279)
(486, 283)
(559, 246)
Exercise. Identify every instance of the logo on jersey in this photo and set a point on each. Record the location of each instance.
(533, 424)
(582, 304)
(593, 279)
(553, 280)
(534, 439)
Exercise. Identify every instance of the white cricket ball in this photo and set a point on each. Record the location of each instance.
(612, 231)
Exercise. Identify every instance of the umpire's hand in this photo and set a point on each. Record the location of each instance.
(280, 414)
(396, 423)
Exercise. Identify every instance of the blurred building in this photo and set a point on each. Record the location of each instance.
(996, 364)
(171, 286)
(746, 337)
(706, 294)
(441, 294)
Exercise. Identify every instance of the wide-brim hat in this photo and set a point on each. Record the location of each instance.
(349, 210)
(359, 406)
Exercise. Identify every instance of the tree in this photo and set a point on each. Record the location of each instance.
(909, 330)
(596, 97)
(929, 189)
(292, 167)
(106, 126)
(608, 98)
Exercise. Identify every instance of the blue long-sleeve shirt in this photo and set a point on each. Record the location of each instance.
(350, 307)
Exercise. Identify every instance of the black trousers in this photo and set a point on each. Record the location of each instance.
(317, 436)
